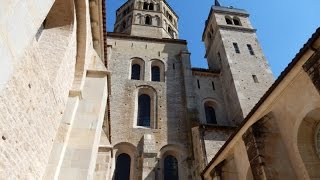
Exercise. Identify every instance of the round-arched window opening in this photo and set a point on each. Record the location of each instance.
(148, 20)
(317, 140)
(171, 170)
(151, 6)
(122, 170)
(228, 20)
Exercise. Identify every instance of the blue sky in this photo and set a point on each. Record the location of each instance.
(283, 26)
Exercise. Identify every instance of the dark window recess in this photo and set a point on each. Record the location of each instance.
(151, 7)
(236, 22)
(213, 87)
(122, 171)
(173, 66)
(198, 83)
(255, 78)
(148, 20)
(250, 49)
(144, 110)
(145, 6)
(171, 171)
(210, 115)
(228, 20)
(155, 71)
(236, 48)
(135, 72)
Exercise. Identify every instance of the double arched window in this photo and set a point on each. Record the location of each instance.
(144, 110)
(122, 171)
(233, 21)
(148, 6)
(210, 113)
(171, 171)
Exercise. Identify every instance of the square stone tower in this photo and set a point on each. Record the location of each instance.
(233, 49)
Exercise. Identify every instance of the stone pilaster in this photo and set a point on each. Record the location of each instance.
(149, 157)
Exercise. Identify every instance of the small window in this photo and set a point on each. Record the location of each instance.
(171, 171)
(255, 78)
(210, 114)
(135, 72)
(236, 21)
(228, 20)
(148, 20)
(151, 6)
(236, 48)
(144, 113)
(122, 170)
(250, 49)
(145, 6)
(155, 71)
(123, 25)
(213, 87)
(198, 83)
(170, 31)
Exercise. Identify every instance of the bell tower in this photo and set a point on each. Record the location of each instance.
(150, 18)
(233, 49)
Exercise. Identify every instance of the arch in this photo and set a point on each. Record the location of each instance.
(170, 31)
(123, 164)
(151, 6)
(210, 112)
(218, 111)
(228, 20)
(236, 21)
(148, 20)
(136, 69)
(123, 25)
(138, 18)
(171, 168)
(145, 6)
(145, 107)
(130, 150)
(176, 151)
(158, 63)
(157, 21)
(308, 143)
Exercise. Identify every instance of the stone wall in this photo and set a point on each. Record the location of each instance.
(35, 92)
(170, 126)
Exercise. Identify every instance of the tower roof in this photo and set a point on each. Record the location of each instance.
(216, 3)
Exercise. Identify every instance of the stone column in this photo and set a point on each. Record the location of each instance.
(312, 67)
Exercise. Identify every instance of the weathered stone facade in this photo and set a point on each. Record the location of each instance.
(48, 70)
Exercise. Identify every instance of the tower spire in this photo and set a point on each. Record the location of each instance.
(216, 3)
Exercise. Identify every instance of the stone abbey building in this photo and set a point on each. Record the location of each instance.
(77, 102)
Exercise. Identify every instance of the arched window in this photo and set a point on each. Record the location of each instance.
(210, 114)
(145, 6)
(170, 31)
(123, 25)
(122, 171)
(144, 102)
(236, 21)
(135, 72)
(155, 71)
(228, 20)
(148, 20)
(151, 6)
(171, 168)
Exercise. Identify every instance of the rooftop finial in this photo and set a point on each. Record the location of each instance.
(216, 3)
